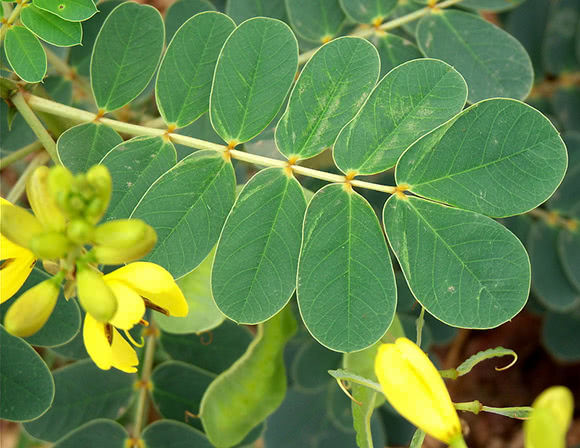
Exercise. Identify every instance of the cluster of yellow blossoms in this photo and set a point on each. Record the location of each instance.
(64, 233)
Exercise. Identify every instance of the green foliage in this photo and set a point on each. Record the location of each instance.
(25, 54)
(52, 28)
(70, 10)
(315, 20)
(99, 432)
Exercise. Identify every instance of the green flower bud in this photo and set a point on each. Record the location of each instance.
(42, 202)
(99, 179)
(118, 255)
(94, 295)
(18, 225)
(59, 184)
(51, 245)
(122, 233)
(79, 231)
(31, 310)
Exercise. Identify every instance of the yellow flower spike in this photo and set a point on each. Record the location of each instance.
(50, 245)
(154, 283)
(31, 310)
(414, 387)
(42, 201)
(17, 263)
(550, 419)
(118, 254)
(18, 225)
(94, 295)
(107, 348)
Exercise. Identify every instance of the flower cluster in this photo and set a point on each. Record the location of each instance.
(64, 233)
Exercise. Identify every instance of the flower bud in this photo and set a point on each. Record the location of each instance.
(59, 184)
(79, 231)
(550, 418)
(119, 255)
(31, 310)
(42, 202)
(18, 225)
(94, 295)
(51, 245)
(121, 233)
(99, 179)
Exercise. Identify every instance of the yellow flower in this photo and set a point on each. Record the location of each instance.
(550, 419)
(414, 387)
(136, 287)
(16, 264)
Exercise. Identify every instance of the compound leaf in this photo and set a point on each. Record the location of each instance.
(346, 286)
(466, 269)
(499, 157)
(410, 101)
(254, 272)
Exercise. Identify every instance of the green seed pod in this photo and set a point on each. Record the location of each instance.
(31, 310)
(121, 233)
(118, 255)
(50, 245)
(42, 202)
(79, 231)
(94, 295)
(18, 225)
(59, 184)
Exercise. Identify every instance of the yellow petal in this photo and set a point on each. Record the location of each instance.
(415, 389)
(124, 357)
(13, 274)
(8, 249)
(130, 305)
(153, 282)
(96, 343)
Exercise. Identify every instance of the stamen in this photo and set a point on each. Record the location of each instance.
(154, 307)
(109, 333)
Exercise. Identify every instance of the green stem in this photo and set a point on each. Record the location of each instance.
(475, 407)
(458, 443)
(13, 17)
(141, 411)
(420, 323)
(82, 116)
(20, 184)
(387, 26)
(19, 154)
(449, 373)
(36, 126)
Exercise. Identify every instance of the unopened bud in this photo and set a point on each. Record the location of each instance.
(99, 178)
(118, 255)
(51, 245)
(42, 201)
(94, 295)
(121, 233)
(18, 225)
(59, 184)
(31, 310)
(79, 231)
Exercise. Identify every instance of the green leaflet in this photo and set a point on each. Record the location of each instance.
(240, 10)
(51, 28)
(188, 206)
(254, 271)
(410, 101)
(569, 252)
(491, 5)
(394, 50)
(26, 392)
(100, 432)
(315, 20)
(172, 434)
(500, 157)
(561, 335)
(549, 283)
(493, 63)
(84, 145)
(178, 388)
(126, 54)
(109, 394)
(71, 10)
(252, 388)
(368, 11)
(203, 315)
(346, 285)
(332, 87)
(466, 269)
(213, 351)
(185, 77)
(254, 73)
(25, 54)
(181, 11)
(135, 165)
